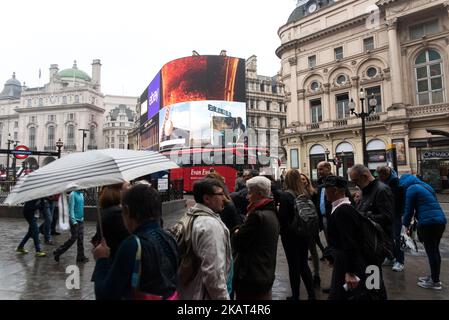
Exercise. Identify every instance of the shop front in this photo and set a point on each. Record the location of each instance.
(434, 167)
(316, 155)
(344, 159)
(375, 150)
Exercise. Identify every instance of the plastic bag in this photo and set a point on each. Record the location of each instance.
(408, 242)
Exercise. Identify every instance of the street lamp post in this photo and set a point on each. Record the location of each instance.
(7, 158)
(59, 145)
(363, 115)
(84, 135)
(14, 169)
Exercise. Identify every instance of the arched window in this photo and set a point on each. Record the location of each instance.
(51, 136)
(32, 137)
(429, 77)
(70, 135)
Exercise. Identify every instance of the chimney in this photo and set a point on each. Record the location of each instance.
(96, 73)
(53, 71)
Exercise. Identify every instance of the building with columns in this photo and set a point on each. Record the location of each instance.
(70, 101)
(396, 53)
(265, 108)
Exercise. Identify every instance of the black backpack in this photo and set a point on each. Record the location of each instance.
(305, 219)
(375, 242)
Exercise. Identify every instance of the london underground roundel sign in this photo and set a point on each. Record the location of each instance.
(21, 152)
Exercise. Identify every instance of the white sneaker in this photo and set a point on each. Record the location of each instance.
(398, 267)
(431, 285)
(425, 279)
(388, 262)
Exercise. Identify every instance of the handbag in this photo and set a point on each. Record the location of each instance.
(135, 279)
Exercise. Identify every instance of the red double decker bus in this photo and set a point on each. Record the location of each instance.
(196, 163)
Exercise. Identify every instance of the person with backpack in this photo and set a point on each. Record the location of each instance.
(205, 245)
(255, 243)
(145, 265)
(296, 245)
(345, 247)
(422, 204)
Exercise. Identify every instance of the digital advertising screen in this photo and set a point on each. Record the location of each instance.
(196, 101)
(199, 78)
(154, 95)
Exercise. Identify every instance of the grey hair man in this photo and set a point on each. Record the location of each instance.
(377, 200)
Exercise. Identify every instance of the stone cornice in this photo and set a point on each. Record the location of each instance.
(64, 107)
(329, 31)
(382, 3)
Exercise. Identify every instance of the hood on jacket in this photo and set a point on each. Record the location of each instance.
(408, 179)
(199, 207)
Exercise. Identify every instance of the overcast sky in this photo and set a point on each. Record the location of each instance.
(133, 38)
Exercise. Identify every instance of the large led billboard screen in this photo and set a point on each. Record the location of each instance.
(195, 100)
(154, 94)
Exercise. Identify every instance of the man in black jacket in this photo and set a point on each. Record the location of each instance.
(377, 199)
(388, 176)
(349, 266)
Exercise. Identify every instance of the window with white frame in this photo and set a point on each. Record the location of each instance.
(92, 136)
(375, 92)
(368, 44)
(342, 101)
(316, 112)
(429, 77)
(51, 136)
(338, 53)
(426, 28)
(32, 137)
(312, 61)
(70, 135)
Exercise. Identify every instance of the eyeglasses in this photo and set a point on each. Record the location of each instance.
(217, 194)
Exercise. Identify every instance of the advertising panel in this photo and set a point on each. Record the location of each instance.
(202, 124)
(154, 94)
(199, 78)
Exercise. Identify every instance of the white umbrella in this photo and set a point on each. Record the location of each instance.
(86, 170)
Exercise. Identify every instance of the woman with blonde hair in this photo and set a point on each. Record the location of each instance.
(295, 246)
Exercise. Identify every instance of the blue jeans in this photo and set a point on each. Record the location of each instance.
(33, 231)
(397, 227)
(47, 212)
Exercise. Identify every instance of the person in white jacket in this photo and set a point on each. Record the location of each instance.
(211, 245)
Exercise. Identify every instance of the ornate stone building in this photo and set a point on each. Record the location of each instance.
(396, 53)
(265, 106)
(70, 101)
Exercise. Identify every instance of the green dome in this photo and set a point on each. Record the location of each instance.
(74, 72)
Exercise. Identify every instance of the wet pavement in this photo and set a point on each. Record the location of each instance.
(26, 277)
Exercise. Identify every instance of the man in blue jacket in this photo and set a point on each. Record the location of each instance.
(76, 214)
(421, 203)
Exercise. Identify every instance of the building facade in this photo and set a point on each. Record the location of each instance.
(265, 107)
(70, 107)
(396, 53)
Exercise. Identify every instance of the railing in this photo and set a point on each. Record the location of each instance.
(373, 118)
(70, 147)
(416, 111)
(340, 123)
(90, 147)
(313, 126)
(49, 148)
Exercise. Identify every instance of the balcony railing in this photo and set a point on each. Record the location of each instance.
(70, 147)
(91, 147)
(313, 126)
(49, 148)
(340, 123)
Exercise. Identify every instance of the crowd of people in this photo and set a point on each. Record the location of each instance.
(227, 246)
